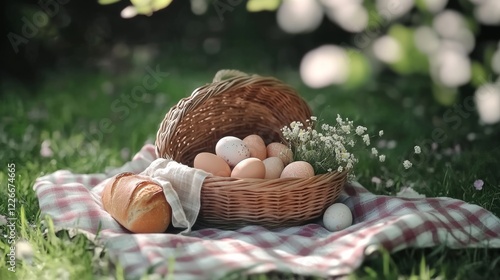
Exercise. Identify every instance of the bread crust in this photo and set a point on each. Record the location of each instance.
(137, 203)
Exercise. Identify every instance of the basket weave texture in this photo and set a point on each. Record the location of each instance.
(239, 106)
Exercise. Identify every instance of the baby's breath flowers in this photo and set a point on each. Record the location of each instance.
(328, 147)
(417, 150)
(407, 164)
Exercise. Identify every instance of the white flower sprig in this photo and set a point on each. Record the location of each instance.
(330, 147)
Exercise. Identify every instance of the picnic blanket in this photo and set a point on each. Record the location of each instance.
(393, 223)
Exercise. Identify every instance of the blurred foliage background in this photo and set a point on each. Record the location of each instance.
(451, 46)
(424, 71)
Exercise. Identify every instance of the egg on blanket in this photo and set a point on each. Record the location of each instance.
(337, 217)
(232, 150)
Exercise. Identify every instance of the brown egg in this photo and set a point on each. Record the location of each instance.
(212, 163)
(279, 150)
(298, 169)
(256, 145)
(274, 167)
(249, 168)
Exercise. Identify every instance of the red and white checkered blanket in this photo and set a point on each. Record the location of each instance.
(392, 222)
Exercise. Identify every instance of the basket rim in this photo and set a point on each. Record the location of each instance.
(233, 183)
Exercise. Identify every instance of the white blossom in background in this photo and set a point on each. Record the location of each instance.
(448, 23)
(453, 28)
(466, 39)
(387, 49)
(409, 192)
(392, 9)
(324, 66)
(487, 98)
(337, 4)
(450, 67)
(299, 16)
(426, 39)
(435, 6)
(488, 12)
(351, 16)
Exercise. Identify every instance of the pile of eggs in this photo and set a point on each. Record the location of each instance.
(251, 158)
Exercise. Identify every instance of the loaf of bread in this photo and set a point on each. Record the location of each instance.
(137, 203)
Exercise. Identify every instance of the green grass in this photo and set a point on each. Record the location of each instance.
(68, 108)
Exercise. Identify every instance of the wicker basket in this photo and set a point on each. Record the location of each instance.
(239, 106)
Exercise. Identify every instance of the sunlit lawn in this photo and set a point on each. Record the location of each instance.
(65, 114)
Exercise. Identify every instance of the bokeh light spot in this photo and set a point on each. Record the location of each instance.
(435, 6)
(487, 99)
(449, 23)
(199, 7)
(450, 67)
(387, 49)
(324, 66)
(211, 45)
(488, 12)
(426, 39)
(299, 16)
(351, 17)
(394, 8)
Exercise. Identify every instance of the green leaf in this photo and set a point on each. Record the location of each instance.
(147, 7)
(263, 5)
(107, 2)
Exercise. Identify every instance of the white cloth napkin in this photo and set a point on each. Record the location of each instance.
(182, 188)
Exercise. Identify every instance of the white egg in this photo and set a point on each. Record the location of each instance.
(232, 150)
(337, 217)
